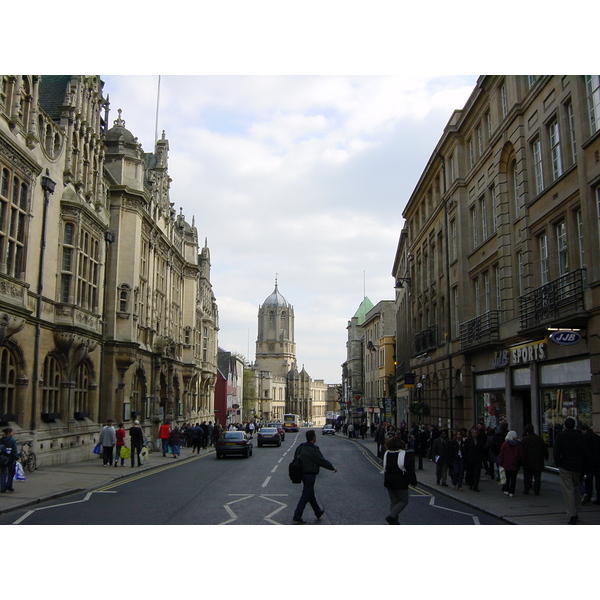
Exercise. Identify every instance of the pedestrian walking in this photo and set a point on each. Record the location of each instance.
(511, 459)
(380, 441)
(457, 454)
(136, 435)
(570, 455)
(175, 439)
(108, 440)
(474, 454)
(535, 455)
(311, 459)
(120, 435)
(8, 460)
(440, 450)
(163, 435)
(591, 470)
(398, 473)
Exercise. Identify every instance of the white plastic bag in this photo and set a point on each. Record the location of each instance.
(19, 474)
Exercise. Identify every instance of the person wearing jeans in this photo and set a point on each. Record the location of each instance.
(311, 459)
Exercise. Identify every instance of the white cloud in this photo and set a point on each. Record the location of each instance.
(304, 177)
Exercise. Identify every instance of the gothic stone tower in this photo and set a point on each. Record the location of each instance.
(275, 347)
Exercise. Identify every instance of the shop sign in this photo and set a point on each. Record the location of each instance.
(565, 338)
(520, 355)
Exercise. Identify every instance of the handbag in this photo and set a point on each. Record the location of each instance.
(295, 469)
(502, 476)
(19, 474)
(125, 452)
(97, 449)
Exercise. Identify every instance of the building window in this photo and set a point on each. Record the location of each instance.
(544, 259)
(554, 135)
(474, 226)
(562, 247)
(456, 310)
(477, 296)
(124, 296)
(88, 270)
(592, 83)
(454, 240)
(68, 252)
(14, 200)
(504, 100)
(486, 291)
(484, 225)
(471, 152)
(479, 133)
(521, 267)
(537, 166)
(488, 120)
(452, 168)
(531, 80)
(80, 392)
(494, 200)
(514, 186)
(8, 383)
(50, 387)
(571, 120)
(579, 218)
(498, 287)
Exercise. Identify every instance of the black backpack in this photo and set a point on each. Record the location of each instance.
(295, 468)
(5, 452)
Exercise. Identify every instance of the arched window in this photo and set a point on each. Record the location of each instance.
(50, 387)
(13, 223)
(8, 377)
(81, 391)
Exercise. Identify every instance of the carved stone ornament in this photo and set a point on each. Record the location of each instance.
(9, 325)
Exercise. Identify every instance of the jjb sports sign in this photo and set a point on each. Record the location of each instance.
(565, 338)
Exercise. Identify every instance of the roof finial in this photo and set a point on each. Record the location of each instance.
(118, 122)
(276, 275)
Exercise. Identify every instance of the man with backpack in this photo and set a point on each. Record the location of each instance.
(311, 459)
(9, 455)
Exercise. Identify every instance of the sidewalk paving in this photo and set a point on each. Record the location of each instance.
(48, 483)
(546, 509)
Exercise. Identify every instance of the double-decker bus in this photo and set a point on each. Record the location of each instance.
(291, 422)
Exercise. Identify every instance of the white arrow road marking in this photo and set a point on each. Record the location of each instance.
(85, 499)
(474, 517)
(281, 507)
(230, 510)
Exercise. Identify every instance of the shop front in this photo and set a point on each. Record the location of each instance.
(541, 383)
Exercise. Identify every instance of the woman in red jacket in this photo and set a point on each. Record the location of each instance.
(164, 433)
(511, 459)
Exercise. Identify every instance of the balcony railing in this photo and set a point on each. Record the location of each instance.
(557, 299)
(426, 340)
(480, 330)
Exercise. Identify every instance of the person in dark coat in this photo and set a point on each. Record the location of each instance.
(440, 451)
(535, 456)
(510, 459)
(457, 455)
(570, 455)
(592, 465)
(175, 439)
(398, 472)
(11, 452)
(474, 446)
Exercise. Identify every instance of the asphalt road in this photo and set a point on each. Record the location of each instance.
(254, 491)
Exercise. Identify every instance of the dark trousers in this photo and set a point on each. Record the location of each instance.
(592, 473)
(511, 481)
(136, 449)
(530, 477)
(7, 475)
(165, 446)
(458, 470)
(107, 455)
(473, 474)
(308, 495)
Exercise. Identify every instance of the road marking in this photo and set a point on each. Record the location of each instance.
(281, 507)
(266, 481)
(229, 510)
(274, 469)
(85, 499)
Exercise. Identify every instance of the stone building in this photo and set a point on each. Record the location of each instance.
(498, 293)
(106, 308)
(282, 388)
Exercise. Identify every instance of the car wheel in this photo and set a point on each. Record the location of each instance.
(279, 444)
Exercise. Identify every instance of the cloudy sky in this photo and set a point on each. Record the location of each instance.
(303, 178)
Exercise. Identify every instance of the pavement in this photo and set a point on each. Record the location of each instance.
(48, 483)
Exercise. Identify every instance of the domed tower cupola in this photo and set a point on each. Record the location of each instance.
(275, 347)
(124, 155)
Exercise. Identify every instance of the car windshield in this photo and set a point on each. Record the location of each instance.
(268, 430)
(234, 435)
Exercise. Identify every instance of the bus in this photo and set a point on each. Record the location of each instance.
(291, 422)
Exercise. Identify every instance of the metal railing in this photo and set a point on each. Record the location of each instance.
(480, 330)
(427, 339)
(556, 299)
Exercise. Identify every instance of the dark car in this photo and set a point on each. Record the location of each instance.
(279, 427)
(328, 430)
(233, 442)
(269, 435)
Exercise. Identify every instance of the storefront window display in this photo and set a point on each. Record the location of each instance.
(563, 402)
(491, 408)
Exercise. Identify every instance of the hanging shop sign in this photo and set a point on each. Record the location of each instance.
(566, 338)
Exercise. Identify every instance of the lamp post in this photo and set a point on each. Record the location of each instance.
(48, 187)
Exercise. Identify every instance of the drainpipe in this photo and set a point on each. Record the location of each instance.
(48, 186)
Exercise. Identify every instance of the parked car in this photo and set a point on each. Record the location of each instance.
(328, 430)
(269, 435)
(280, 429)
(232, 443)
